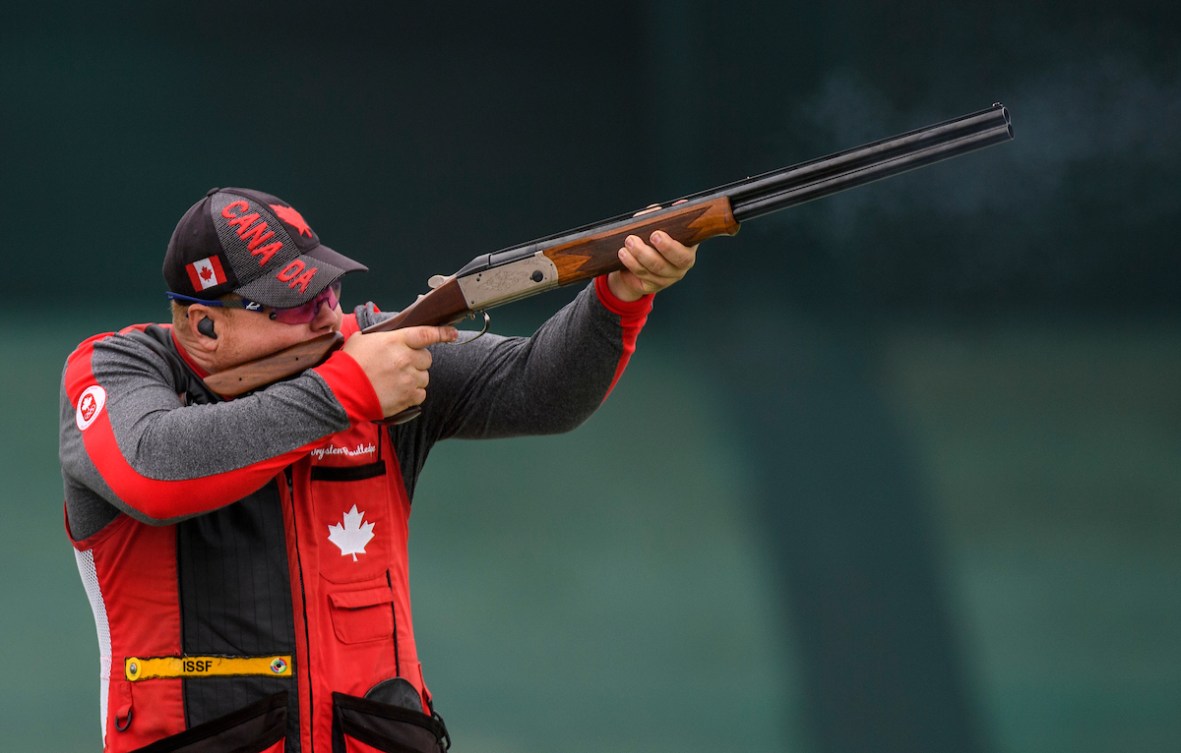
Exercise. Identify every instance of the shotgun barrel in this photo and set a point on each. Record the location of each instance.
(525, 270)
(791, 186)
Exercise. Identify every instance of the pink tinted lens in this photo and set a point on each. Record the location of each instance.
(307, 312)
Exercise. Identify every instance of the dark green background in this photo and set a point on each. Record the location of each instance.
(893, 471)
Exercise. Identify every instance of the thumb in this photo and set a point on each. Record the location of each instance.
(421, 337)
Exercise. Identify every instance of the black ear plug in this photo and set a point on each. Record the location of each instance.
(205, 327)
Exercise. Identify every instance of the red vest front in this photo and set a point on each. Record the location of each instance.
(301, 587)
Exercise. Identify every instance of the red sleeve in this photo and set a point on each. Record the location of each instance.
(633, 315)
(351, 386)
(348, 381)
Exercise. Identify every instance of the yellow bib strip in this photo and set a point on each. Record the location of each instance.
(136, 669)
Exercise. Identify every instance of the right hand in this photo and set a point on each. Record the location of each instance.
(397, 363)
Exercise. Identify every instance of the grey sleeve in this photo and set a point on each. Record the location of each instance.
(157, 436)
(499, 386)
(547, 383)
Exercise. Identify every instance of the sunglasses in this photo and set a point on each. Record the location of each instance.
(301, 314)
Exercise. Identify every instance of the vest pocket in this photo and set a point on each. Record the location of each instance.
(260, 727)
(361, 725)
(355, 525)
(362, 616)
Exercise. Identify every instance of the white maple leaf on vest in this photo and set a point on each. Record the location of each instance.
(353, 535)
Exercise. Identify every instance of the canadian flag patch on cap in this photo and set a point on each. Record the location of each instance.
(206, 273)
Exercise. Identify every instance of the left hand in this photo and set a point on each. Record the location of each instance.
(650, 267)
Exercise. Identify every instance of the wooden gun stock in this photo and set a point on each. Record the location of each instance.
(268, 369)
(521, 271)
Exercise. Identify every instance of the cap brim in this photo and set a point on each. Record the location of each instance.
(336, 259)
(269, 290)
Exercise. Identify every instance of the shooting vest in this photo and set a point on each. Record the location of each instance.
(278, 623)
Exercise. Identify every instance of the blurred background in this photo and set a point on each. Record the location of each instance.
(893, 471)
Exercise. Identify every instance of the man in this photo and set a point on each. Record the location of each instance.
(245, 559)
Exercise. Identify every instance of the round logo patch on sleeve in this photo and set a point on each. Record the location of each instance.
(90, 405)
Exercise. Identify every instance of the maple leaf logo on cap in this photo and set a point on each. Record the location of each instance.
(351, 537)
(292, 218)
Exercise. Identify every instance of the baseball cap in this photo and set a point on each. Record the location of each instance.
(237, 240)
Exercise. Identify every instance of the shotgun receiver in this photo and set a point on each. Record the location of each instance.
(580, 254)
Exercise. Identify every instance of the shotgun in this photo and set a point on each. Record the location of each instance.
(580, 254)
